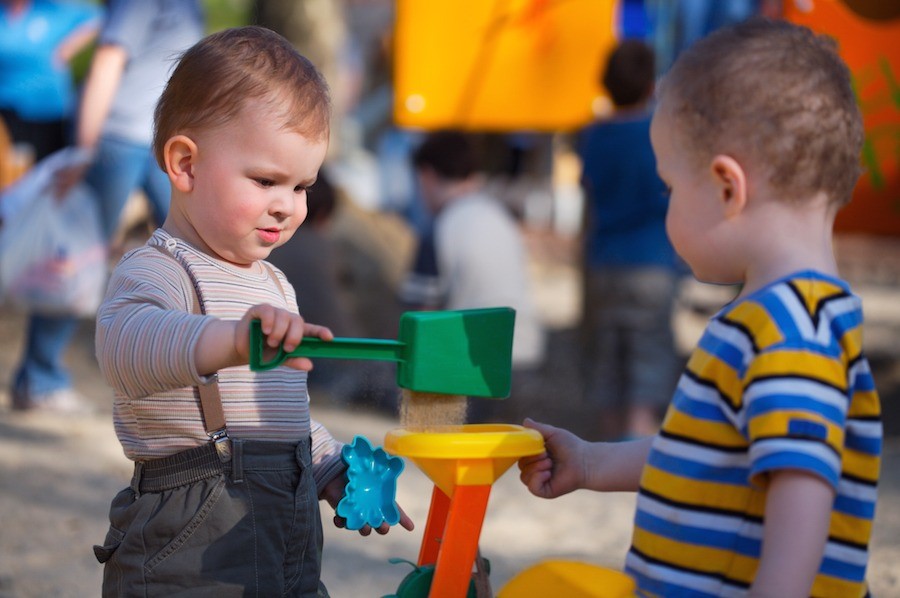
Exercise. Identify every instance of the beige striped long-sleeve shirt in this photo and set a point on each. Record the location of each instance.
(145, 343)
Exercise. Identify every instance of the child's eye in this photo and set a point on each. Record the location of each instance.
(301, 189)
(265, 182)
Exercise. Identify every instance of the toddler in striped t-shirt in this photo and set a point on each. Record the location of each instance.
(762, 480)
(229, 466)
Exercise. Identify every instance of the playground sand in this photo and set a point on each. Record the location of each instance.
(425, 411)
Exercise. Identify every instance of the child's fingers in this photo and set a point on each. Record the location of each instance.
(280, 327)
(406, 522)
(534, 480)
(530, 460)
(322, 332)
(537, 482)
(279, 324)
(293, 336)
(536, 474)
(546, 430)
(265, 314)
(383, 529)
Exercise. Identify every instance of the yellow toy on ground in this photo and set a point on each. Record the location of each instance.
(572, 579)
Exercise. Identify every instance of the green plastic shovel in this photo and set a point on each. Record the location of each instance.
(462, 352)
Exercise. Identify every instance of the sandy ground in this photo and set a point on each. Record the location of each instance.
(58, 474)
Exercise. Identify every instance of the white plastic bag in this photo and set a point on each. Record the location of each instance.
(52, 252)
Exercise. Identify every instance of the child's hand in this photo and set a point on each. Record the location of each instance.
(560, 469)
(334, 492)
(280, 327)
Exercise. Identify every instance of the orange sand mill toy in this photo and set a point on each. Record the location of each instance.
(439, 355)
(463, 462)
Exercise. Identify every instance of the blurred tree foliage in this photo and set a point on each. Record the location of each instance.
(221, 14)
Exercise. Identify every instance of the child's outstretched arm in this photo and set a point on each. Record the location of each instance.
(798, 513)
(570, 463)
(226, 343)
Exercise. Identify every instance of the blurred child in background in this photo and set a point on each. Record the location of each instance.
(630, 266)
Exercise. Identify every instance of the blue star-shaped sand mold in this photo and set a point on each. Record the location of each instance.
(369, 496)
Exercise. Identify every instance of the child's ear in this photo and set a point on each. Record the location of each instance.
(731, 184)
(180, 155)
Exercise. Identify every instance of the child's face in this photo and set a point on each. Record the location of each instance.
(250, 185)
(694, 220)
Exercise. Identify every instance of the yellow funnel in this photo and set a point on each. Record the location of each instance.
(468, 455)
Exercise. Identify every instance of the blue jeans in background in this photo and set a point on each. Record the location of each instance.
(119, 168)
(42, 370)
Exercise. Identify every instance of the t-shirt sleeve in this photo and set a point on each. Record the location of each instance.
(82, 14)
(326, 456)
(126, 24)
(146, 335)
(796, 403)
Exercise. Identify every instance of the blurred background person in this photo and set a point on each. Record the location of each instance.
(38, 41)
(673, 26)
(330, 276)
(474, 255)
(138, 42)
(630, 277)
(137, 48)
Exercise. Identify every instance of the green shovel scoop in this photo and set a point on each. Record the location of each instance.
(462, 352)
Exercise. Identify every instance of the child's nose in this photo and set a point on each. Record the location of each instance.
(283, 204)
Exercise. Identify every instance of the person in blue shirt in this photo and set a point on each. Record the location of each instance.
(630, 266)
(38, 40)
(137, 47)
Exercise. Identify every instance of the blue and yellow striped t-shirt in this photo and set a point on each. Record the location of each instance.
(777, 381)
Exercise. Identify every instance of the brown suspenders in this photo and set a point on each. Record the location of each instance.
(210, 399)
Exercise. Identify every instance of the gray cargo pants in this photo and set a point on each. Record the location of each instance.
(191, 525)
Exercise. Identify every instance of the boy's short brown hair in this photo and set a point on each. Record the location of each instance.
(775, 94)
(452, 154)
(214, 79)
(629, 73)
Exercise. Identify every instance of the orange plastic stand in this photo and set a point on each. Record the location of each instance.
(451, 538)
(463, 462)
(434, 527)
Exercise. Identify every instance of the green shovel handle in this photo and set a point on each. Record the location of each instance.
(340, 348)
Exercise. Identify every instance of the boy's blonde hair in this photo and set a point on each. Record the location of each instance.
(774, 94)
(216, 77)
